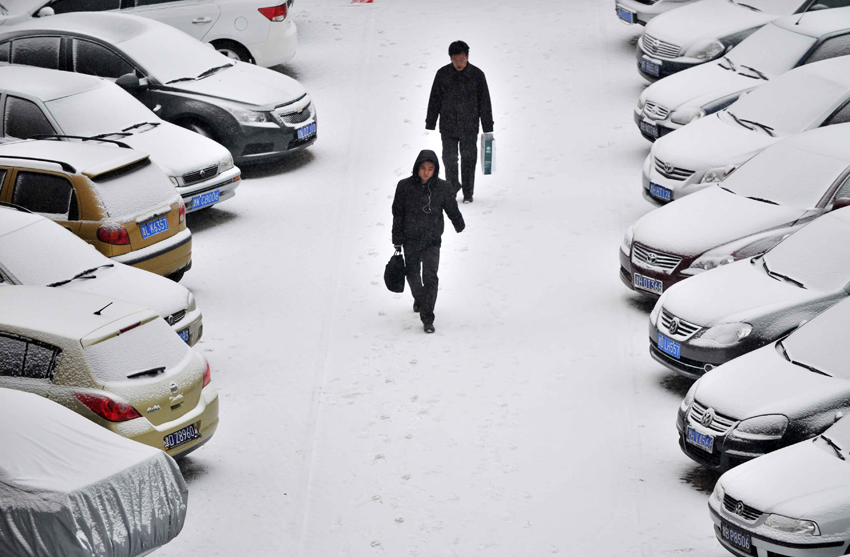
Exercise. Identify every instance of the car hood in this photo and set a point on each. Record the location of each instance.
(707, 219)
(699, 85)
(705, 20)
(710, 143)
(247, 84)
(820, 489)
(136, 286)
(177, 150)
(764, 382)
(732, 293)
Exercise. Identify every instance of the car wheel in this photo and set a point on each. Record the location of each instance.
(177, 275)
(233, 50)
(198, 128)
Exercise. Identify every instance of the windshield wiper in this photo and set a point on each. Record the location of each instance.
(140, 124)
(152, 371)
(834, 446)
(181, 79)
(731, 67)
(774, 274)
(763, 200)
(784, 352)
(211, 71)
(81, 275)
(755, 71)
(753, 8)
(768, 129)
(740, 122)
(102, 135)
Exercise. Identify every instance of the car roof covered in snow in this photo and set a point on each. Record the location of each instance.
(45, 84)
(817, 23)
(828, 141)
(834, 70)
(111, 28)
(61, 312)
(85, 158)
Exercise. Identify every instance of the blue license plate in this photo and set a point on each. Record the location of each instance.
(669, 346)
(307, 131)
(180, 437)
(154, 227)
(735, 537)
(625, 15)
(649, 129)
(651, 67)
(659, 192)
(649, 284)
(184, 334)
(701, 440)
(205, 199)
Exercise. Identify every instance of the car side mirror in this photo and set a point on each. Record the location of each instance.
(818, 7)
(45, 12)
(839, 415)
(131, 83)
(840, 203)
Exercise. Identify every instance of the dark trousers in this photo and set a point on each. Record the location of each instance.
(421, 266)
(468, 158)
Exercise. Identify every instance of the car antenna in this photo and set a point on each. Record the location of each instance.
(103, 308)
(801, 18)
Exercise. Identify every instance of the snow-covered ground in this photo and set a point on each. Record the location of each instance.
(534, 421)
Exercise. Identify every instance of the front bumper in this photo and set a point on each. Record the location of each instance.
(647, 125)
(695, 361)
(643, 13)
(193, 322)
(727, 452)
(765, 545)
(164, 257)
(225, 183)
(667, 66)
(677, 188)
(628, 270)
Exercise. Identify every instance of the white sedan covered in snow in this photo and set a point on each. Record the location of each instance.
(794, 502)
(755, 301)
(36, 251)
(706, 151)
(776, 48)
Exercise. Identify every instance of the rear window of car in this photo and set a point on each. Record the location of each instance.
(143, 348)
(140, 188)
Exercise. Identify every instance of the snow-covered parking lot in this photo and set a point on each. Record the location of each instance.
(534, 421)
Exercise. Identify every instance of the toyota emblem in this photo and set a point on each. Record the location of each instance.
(674, 326)
(707, 418)
(651, 258)
(739, 508)
(668, 168)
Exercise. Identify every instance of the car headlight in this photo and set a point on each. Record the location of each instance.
(626, 246)
(706, 50)
(709, 261)
(250, 116)
(792, 525)
(174, 181)
(723, 335)
(656, 310)
(719, 492)
(686, 115)
(688, 401)
(191, 305)
(226, 164)
(762, 428)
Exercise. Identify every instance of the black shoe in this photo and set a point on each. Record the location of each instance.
(416, 306)
(467, 199)
(429, 328)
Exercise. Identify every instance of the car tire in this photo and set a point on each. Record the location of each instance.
(233, 50)
(177, 275)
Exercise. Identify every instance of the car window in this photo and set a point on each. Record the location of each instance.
(844, 190)
(47, 194)
(23, 119)
(93, 59)
(2, 178)
(139, 3)
(5, 48)
(37, 51)
(824, 4)
(841, 116)
(831, 48)
(65, 6)
(23, 357)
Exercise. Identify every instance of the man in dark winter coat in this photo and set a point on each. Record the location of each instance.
(460, 98)
(418, 208)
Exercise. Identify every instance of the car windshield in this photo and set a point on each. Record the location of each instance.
(131, 352)
(788, 104)
(786, 176)
(44, 252)
(771, 50)
(155, 50)
(839, 434)
(815, 344)
(106, 109)
(778, 7)
(818, 255)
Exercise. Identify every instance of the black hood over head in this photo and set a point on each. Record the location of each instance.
(426, 155)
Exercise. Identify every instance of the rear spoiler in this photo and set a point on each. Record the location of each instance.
(118, 327)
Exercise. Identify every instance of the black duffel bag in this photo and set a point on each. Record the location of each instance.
(394, 273)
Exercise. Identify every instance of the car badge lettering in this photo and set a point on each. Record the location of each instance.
(739, 508)
(674, 326)
(154, 408)
(707, 418)
(173, 388)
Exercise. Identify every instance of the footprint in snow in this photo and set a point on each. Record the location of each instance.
(399, 520)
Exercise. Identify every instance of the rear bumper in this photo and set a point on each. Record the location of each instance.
(164, 257)
(279, 47)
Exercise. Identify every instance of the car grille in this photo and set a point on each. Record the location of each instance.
(672, 172)
(720, 424)
(654, 111)
(738, 508)
(655, 258)
(296, 117)
(659, 48)
(175, 317)
(684, 329)
(200, 175)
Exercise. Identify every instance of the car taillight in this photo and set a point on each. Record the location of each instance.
(275, 13)
(181, 212)
(107, 408)
(114, 234)
(207, 377)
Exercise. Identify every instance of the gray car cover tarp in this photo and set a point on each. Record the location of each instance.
(70, 488)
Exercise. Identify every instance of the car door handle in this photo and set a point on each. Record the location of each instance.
(202, 20)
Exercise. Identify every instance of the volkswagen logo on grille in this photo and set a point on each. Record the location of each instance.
(739, 508)
(707, 418)
(651, 258)
(674, 326)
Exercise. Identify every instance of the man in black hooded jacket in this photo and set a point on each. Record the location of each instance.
(418, 225)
